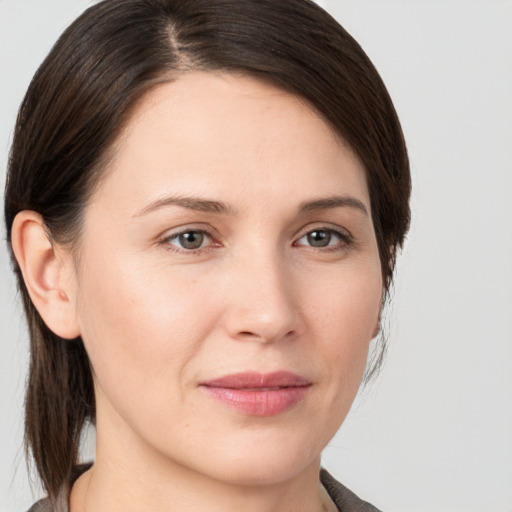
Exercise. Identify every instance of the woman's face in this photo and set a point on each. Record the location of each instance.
(228, 282)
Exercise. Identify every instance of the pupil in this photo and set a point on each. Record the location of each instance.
(191, 240)
(319, 238)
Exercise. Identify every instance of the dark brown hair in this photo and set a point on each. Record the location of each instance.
(79, 100)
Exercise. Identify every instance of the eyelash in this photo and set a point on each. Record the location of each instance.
(344, 238)
(166, 242)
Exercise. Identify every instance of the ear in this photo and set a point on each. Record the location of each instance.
(48, 274)
(376, 329)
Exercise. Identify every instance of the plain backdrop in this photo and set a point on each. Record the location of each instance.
(434, 432)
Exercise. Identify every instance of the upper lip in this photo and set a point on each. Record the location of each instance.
(257, 380)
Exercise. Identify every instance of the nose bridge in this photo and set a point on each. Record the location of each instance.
(263, 305)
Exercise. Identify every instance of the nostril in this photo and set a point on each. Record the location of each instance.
(265, 338)
(250, 334)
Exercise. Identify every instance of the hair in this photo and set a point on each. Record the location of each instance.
(79, 100)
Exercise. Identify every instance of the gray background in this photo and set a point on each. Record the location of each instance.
(434, 433)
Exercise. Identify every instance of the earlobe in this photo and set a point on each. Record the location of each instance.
(47, 272)
(376, 329)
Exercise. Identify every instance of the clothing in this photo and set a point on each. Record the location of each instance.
(344, 499)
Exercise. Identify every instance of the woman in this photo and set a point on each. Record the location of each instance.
(204, 203)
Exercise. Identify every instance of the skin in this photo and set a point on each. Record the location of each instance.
(157, 319)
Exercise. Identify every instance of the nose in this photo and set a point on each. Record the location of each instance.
(263, 305)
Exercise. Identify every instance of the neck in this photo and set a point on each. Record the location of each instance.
(130, 475)
(101, 489)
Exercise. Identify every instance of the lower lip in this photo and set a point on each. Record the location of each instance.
(259, 403)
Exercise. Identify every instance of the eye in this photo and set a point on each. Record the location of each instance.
(190, 240)
(324, 238)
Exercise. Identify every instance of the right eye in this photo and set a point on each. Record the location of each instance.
(190, 240)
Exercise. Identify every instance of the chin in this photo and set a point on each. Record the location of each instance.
(260, 473)
(262, 462)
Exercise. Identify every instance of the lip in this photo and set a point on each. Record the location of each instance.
(258, 394)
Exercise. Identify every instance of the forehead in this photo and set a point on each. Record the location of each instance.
(208, 134)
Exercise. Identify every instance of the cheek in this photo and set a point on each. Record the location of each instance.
(136, 324)
(345, 315)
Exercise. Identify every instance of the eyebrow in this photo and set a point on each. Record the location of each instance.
(191, 203)
(334, 202)
(221, 208)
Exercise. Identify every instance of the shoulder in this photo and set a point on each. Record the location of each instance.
(45, 505)
(344, 498)
(41, 506)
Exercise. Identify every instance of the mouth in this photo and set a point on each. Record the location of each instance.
(259, 394)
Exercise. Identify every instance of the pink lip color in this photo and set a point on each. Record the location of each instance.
(258, 394)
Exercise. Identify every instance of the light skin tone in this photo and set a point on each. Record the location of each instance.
(232, 233)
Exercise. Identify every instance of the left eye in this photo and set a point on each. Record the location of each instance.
(322, 238)
(190, 240)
